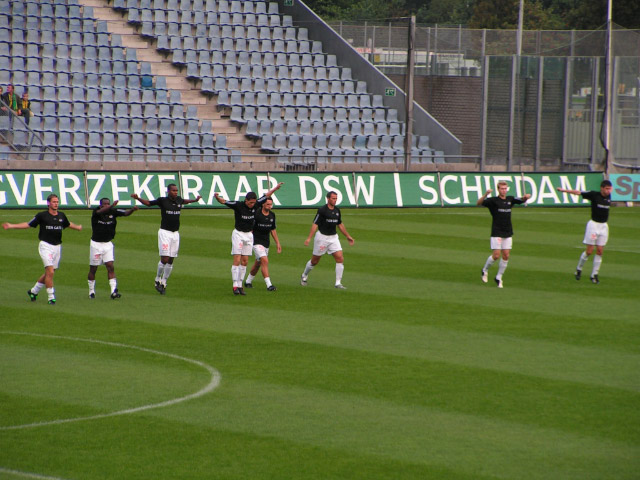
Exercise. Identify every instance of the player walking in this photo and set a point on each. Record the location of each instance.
(597, 231)
(501, 228)
(242, 236)
(326, 240)
(168, 235)
(103, 226)
(51, 222)
(265, 226)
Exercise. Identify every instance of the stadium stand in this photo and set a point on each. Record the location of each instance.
(93, 95)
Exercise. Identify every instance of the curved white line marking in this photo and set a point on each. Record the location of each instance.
(18, 473)
(212, 385)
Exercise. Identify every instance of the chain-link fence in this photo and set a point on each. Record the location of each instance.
(542, 108)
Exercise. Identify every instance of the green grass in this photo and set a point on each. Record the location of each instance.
(417, 371)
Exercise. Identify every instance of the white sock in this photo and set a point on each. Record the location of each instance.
(113, 283)
(267, 280)
(502, 267)
(50, 293)
(488, 264)
(168, 267)
(250, 278)
(92, 286)
(583, 259)
(243, 271)
(307, 269)
(37, 287)
(160, 271)
(597, 261)
(234, 275)
(339, 272)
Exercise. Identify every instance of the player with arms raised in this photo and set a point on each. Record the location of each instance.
(501, 228)
(265, 226)
(596, 234)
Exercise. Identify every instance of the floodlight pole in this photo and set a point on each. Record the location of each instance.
(409, 93)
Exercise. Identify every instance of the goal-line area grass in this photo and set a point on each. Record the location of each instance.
(417, 371)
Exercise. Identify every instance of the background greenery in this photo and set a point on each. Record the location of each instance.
(418, 370)
(500, 14)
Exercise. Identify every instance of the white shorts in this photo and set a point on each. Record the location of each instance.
(260, 251)
(241, 243)
(168, 243)
(499, 243)
(100, 253)
(596, 234)
(50, 254)
(326, 244)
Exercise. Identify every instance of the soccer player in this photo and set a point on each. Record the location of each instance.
(168, 235)
(242, 236)
(326, 240)
(597, 231)
(103, 226)
(51, 222)
(501, 228)
(265, 225)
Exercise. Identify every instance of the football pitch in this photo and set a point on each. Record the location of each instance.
(417, 371)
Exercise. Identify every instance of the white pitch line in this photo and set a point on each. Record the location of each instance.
(212, 385)
(18, 473)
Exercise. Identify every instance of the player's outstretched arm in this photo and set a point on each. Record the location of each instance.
(219, 198)
(9, 226)
(277, 187)
(483, 197)
(346, 234)
(314, 229)
(566, 190)
(187, 202)
(526, 197)
(143, 201)
(75, 226)
(129, 211)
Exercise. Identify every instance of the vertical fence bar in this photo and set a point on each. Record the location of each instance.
(536, 164)
(512, 109)
(595, 83)
(485, 107)
(568, 72)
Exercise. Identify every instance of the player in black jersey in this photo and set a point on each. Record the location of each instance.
(265, 226)
(103, 226)
(596, 234)
(242, 236)
(51, 222)
(168, 235)
(501, 228)
(328, 219)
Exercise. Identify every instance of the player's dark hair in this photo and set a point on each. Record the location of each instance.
(171, 185)
(251, 196)
(606, 183)
(53, 195)
(331, 193)
(103, 199)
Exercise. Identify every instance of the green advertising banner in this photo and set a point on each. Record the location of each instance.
(626, 188)
(29, 189)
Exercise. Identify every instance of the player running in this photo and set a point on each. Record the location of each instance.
(597, 231)
(51, 222)
(265, 226)
(501, 228)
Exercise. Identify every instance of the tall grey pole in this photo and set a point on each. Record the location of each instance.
(409, 93)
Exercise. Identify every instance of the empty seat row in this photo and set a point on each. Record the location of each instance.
(169, 43)
(20, 23)
(122, 139)
(195, 71)
(112, 110)
(49, 37)
(66, 65)
(87, 80)
(256, 130)
(245, 6)
(275, 99)
(250, 84)
(232, 57)
(162, 18)
(244, 114)
(120, 124)
(50, 10)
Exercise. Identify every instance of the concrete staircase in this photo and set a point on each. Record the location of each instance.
(190, 92)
